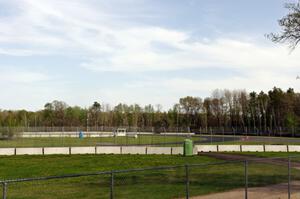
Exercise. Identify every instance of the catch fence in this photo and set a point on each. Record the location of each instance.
(247, 130)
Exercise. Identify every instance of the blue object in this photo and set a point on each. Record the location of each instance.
(80, 134)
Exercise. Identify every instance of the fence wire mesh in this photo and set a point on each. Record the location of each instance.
(294, 162)
(216, 178)
(252, 178)
(94, 187)
(150, 184)
(268, 178)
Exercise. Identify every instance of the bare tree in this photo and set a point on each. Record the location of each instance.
(290, 25)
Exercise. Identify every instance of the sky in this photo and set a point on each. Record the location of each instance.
(139, 51)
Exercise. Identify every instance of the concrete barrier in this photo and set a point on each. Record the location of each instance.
(133, 150)
(108, 150)
(294, 148)
(55, 136)
(276, 148)
(177, 150)
(159, 150)
(195, 151)
(229, 148)
(56, 150)
(29, 151)
(83, 150)
(253, 148)
(147, 150)
(7, 151)
(44, 136)
(206, 148)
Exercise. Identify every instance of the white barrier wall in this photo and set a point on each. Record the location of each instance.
(7, 151)
(159, 150)
(29, 151)
(134, 150)
(293, 148)
(83, 150)
(56, 150)
(147, 150)
(276, 148)
(253, 148)
(229, 148)
(206, 148)
(108, 150)
(177, 150)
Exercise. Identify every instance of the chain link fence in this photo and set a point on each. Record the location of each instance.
(246, 130)
(253, 178)
(101, 140)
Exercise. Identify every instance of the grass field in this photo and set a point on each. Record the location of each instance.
(140, 140)
(146, 184)
(65, 141)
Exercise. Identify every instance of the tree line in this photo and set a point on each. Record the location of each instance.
(223, 109)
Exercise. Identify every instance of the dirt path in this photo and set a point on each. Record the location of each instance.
(277, 161)
(279, 191)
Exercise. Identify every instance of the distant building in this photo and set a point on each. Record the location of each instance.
(120, 132)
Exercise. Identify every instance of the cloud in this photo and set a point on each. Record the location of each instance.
(22, 77)
(19, 52)
(109, 40)
(110, 43)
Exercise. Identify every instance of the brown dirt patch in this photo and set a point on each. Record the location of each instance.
(279, 191)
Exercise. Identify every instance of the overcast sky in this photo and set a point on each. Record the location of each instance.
(138, 51)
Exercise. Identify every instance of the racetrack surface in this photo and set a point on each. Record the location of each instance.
(207, 139)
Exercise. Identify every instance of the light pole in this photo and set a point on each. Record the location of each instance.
(294, 107)
(259, 130)
(177, 119)
(87, 121)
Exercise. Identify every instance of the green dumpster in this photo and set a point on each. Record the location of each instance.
(188, 147)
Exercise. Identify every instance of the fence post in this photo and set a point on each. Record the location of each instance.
(4, 190)
(246, 179)
(111, 185)
(187, 188)
(289, 177)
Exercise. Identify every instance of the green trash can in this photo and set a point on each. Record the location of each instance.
(188, 147)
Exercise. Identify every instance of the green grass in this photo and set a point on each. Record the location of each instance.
(165, 184)
(142, 139)
(65, 141)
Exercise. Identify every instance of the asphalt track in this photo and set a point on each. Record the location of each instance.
(229, 138)
(220, 139)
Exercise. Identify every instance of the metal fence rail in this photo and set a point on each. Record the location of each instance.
(178, 181)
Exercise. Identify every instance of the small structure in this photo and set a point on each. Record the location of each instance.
(188, 147)
(81, 135)
(120, 132)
